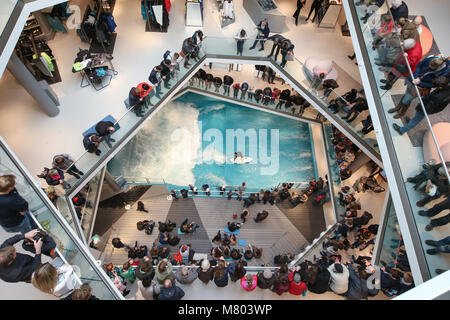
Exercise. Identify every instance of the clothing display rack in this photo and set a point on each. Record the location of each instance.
(37, 24)
(194, 13)
(36, 55)
(97, 27)
(156, 14)
(96, 69)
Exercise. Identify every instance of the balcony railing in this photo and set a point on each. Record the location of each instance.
(68, 245)
(402, 159)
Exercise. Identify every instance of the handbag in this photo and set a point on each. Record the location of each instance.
(290, 56)
(430, 189)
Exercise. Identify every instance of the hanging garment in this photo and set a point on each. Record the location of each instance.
(48, 60)
(110, 21)
(56, 24)
(143, 11)
(42, 65)
(228, 9)
(158, 11)
(165, 18)
(168, 5)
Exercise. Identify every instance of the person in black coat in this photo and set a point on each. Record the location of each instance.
(300, 5)
(263, 34)
(399, 10)
(284, 96)
(13, 208)
(135, 101)
(286, 48)
(165, 72)
(277, 39)
(314, 7)
(227, 82)
(18, 267)
(170, 291)
(155, 78)
(91, 142)
(104, 130)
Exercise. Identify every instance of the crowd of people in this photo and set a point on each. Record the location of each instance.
(269, 96)
(55, 277)
(424, 76)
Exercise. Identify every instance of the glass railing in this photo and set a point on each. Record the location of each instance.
(129, 121)
(409, 147)
(297, 73)
(69, 246)
(90, 207)
(302, 113)
(334, 172)
(211, 47)
(393, 253)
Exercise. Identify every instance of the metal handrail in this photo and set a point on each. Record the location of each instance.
(411, 74)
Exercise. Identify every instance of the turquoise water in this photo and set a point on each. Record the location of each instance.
(192, 139)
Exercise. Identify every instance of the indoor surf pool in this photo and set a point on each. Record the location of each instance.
(192, 140)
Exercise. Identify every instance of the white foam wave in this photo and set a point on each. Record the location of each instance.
(298, 168)
(218, 107)
(211, 154)
(213, 180)
(167, 147)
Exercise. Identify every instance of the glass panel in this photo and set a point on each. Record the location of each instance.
(393, 254)
(308, 113)
(93, 191)
(298, 72)
(334, 178)
(90, 160)
(398, 94)
(71, 250)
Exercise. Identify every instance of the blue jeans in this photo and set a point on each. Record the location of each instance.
(26, 225)
(243, 94)
(240, 47)
(419, 116)
(410, 93)
(107, 140)
(443, 245)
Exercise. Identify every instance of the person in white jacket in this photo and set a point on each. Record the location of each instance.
(339, 278)
(55, 278)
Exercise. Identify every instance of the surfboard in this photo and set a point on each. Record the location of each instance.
(240, 160)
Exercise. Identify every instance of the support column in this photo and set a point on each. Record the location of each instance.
(40, 91)
(112, 182)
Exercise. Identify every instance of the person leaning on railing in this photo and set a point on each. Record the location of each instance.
(435, 102)
(426, 71)
(413, 55)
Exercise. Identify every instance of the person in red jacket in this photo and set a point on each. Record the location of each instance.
(296, 286)
(413, 53)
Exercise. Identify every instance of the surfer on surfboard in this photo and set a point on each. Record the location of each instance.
(238, 154)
